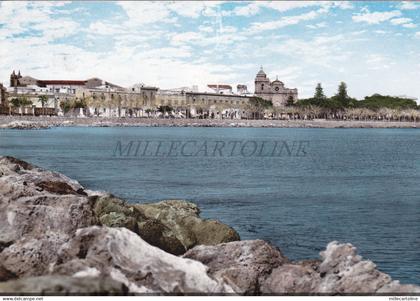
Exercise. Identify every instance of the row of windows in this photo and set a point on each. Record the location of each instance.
(102, 95)
(203, 101)
(66, 90)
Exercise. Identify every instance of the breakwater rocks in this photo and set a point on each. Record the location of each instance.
(59, 238)
(34, 122)
(25, 125)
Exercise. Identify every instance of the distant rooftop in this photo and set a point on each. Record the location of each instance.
(63, 82)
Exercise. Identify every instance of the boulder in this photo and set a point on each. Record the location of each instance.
(157, 234)
(114, 212)
(291, 279)
(125, 257)
(343, 271)
(183, 219)
(59, 187)
(257, 268)
(107, 203)
(35, 222)
(64, 285)
(243, 264)
(5, 274)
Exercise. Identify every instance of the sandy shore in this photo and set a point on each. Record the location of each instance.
(45, 122)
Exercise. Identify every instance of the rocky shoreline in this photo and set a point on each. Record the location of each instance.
(31, 122)
(59, 238)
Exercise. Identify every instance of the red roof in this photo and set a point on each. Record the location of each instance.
(63, 82)
(221, 86)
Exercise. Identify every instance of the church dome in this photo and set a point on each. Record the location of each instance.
(261, 73)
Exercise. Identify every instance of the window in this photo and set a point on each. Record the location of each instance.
(262, 86)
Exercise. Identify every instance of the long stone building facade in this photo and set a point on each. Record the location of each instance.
(97, 97)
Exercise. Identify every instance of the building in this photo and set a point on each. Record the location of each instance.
(100, 97)
(96, 97)
(274, 91)
(218, 102)
(3, 99)
(242, 89)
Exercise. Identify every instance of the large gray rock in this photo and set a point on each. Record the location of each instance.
(114, 212)
(125, 257)
(243, 264)
(174, 225)
(343, 271)
(64, 285)
(291, 279)
(340, 271)
(183, 220)
(39, 211)
(255, 267)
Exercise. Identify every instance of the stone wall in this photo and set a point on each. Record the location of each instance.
(3, 102)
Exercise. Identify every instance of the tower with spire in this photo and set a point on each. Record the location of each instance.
(14, 79)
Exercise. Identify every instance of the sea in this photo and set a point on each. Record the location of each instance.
(297, 188)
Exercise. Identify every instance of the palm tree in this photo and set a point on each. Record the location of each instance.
(277, 112)
(20, 102)
(292, 112)
(43, 100)
(314, 112)
(384, 113)
(15, 103)
(90, 102)
(414, 114)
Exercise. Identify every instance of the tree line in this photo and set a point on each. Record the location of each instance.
(341, 100)
(342, 106)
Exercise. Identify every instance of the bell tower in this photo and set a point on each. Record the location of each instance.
(262, 82)
(14, 79)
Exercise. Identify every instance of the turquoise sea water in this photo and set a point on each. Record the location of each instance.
(353, 185)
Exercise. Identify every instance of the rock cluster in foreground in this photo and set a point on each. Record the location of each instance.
(59, 238)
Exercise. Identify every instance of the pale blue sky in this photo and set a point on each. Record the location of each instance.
(373, 46)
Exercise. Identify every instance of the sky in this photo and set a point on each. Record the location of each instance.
(372, 46)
